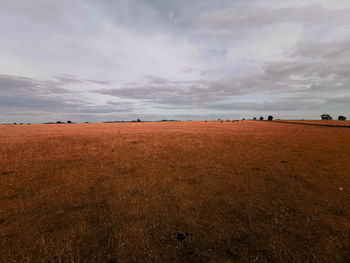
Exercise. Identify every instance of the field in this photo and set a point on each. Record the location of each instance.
(246, 191)
(319, 122)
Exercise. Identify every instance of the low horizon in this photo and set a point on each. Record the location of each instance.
(256, 118)
(150, 59)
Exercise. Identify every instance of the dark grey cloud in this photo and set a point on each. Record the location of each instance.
(304, 95)
(15, 83)
(28, 93)
(276, 106)
(67, 79)
(177, 93)
(101, 82)
(42, 97)
(248, 15)
(338, 50)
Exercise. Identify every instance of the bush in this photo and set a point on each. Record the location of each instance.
(326, 117)
(261, 118)
(341, 118)
(270, 118)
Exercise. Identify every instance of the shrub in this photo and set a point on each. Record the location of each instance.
(326, 117)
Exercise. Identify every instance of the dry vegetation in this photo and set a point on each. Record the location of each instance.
(319, 122)
(174, 192)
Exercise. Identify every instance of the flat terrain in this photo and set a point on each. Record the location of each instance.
(319, 122)
(245, 191)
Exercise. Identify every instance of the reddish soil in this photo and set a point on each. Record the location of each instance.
(245, 191)
(319, 122)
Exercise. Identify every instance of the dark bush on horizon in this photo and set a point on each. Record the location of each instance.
(341, 118)
(261, 118)
(270, 118)
(326, 117)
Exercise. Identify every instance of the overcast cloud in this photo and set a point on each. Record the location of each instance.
(97, 60)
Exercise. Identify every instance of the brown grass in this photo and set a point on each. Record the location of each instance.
(174, 192)
(335, 123)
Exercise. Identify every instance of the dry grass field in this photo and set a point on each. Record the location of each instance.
(245, 191)
(335, 123)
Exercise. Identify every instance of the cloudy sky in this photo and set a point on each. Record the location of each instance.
(99, 60)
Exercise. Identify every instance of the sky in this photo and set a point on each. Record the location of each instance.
(104, 60)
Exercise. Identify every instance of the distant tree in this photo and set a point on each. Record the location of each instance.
(254, 118)
(69, 122)
(326, 117)
(270, 118)
(341, 118)
(261, 118)
(138, 120)
(58, 122)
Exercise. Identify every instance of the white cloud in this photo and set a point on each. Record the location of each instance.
(198, 55)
